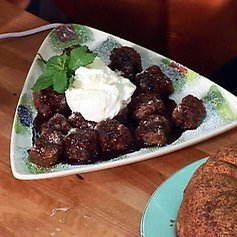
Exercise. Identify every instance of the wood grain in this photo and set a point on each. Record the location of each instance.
(106, 203)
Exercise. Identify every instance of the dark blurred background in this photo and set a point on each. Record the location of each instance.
(201, 35)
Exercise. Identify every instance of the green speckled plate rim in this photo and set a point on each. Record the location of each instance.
(160, 212)
(141, 155)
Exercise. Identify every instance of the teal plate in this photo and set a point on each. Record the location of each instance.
(159, 217)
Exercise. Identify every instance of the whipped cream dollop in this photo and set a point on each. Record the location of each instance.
(98, 93)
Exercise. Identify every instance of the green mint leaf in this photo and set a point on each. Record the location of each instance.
(44, 81)
(60, 81)
(52, 77)
(80, 57)
(57, 62)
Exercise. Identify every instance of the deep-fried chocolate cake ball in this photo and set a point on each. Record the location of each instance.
(146, 104)
(48, 148)
(52, 136)
(58, 122)
(48, 102)
(153, 79)
(44, 153)
(189, 113)
(77, 120)
(113, 136)
(153, 130)
(127, 60)
(81, 146)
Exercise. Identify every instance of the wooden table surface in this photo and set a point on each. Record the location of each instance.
(105, 203)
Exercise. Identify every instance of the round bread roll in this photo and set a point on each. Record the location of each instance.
(209, 206)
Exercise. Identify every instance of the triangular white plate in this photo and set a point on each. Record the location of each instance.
(220, 104)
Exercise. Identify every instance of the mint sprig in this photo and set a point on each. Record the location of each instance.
(80, 57)
(60, 69)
